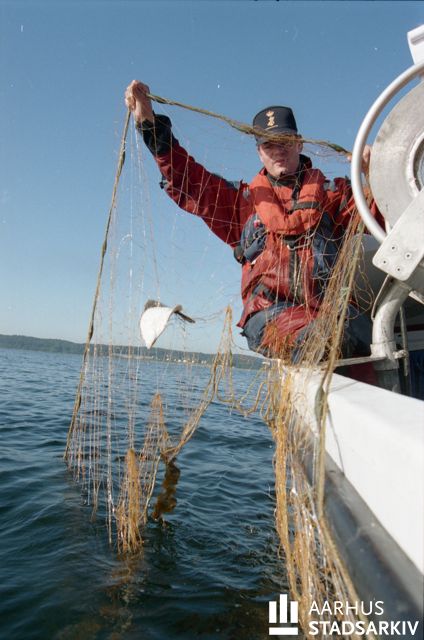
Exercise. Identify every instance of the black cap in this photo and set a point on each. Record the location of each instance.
(274, 120)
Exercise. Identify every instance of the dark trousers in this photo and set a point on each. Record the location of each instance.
(356, 341)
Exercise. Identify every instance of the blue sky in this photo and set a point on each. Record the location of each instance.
(64, 67)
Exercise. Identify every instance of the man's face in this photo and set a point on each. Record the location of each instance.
(280, 159)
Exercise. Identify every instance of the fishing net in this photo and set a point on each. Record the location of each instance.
(127, 426)
(298, 423)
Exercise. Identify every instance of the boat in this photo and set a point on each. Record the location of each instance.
(374, 433)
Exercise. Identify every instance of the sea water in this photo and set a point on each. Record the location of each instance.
(207, 571)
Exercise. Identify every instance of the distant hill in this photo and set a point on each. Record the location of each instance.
(167, 355)
(40, 344)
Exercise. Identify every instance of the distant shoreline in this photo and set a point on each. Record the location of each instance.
(52, 345)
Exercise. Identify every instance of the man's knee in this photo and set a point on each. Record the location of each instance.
(273, 332)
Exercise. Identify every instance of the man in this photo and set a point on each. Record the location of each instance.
(286, 227)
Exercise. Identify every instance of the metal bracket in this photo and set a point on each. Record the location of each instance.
(403, 248)
(416, 44)
(346, 362)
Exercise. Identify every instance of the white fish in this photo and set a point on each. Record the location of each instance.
(155, 318)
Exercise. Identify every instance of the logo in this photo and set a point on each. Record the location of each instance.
(271, 119)
(288, 614)
(338, 619)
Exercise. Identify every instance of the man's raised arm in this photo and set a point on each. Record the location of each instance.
(222, 205)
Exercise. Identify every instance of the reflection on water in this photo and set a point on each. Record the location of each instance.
(208, 565)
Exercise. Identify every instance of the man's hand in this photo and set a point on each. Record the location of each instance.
(366, 158)
(137, 100)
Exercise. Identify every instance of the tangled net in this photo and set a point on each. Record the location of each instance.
(315, 570)
(123, 427)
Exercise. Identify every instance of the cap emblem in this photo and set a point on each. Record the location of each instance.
(271, 119)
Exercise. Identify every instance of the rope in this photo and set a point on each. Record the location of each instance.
(245, 128)
(77, 404)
